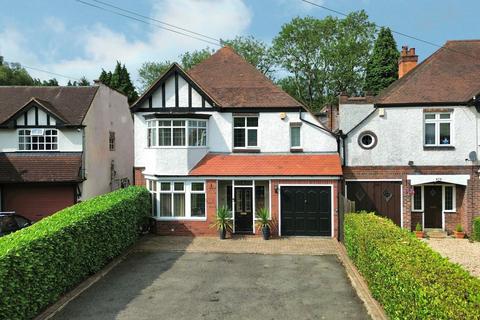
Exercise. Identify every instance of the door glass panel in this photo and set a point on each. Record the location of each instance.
(238, 201)
(449, 198)
(248, 200)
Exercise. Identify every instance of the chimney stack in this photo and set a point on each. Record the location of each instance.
(408, 60)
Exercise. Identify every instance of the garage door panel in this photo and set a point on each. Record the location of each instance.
(311, 210)
(36, 202)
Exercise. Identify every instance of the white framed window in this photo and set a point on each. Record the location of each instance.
(178, 200)
(417, 199)
(295, 136)
(438, 129)
(449, 199)
(177, 133)
(245, 132)
(37, 139)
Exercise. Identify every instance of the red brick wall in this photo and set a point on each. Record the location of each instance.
(138, 177)
(468, 198)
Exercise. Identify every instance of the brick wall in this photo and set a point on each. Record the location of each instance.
(468, 198)
(138, 177)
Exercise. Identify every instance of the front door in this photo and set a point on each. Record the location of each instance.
(433, 207)
(243, 210)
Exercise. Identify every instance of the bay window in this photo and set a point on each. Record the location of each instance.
(438, 129)
(166, 133)
(177, 199)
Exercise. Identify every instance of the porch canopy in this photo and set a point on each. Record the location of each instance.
(214, 164)
(458, 179)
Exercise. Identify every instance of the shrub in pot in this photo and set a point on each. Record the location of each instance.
(264, 222)
(419, 231)
(222, 222)
(459, 233)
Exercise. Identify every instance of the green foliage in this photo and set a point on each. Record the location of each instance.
(263, 218)
(149, 72)
(222, 220)
(418, 227)
(458, 228)
(83, 82)
(408, 278)
(40, 263)
(324, 57)
(476, 229)
(190, 59)
(119, 80)
(13, 74)
(382, 67)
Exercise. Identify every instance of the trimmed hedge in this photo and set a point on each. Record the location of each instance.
(40, 263)
(476, 229)
(408, 278)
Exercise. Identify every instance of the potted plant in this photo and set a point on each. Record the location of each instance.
(419, 231)
(459, 233)
(264, 222)
(222, 222)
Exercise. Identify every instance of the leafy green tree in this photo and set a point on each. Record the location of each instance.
(324, 57)
(190, 59)
(149, 72)
(120, 80)
(382, 67)
(83, 82)
(13, 74)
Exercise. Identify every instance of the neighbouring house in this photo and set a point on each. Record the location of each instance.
(61, 145)
(223, 135)
(410, 153)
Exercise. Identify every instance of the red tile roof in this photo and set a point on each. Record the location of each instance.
(268, 165)
(40, 167)
(451, 75)
(234, 82)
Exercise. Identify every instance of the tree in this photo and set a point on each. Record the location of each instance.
(382, 67)
(149, 72)
(83, 82)
(324, 57)
(119, 80)
(190, 59)
(13, 74)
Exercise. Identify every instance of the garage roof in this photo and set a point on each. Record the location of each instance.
(268, 165)
(40, 167)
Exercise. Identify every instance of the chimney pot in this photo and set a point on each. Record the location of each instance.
(408, 60)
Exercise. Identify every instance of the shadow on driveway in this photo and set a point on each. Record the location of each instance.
(176, 285)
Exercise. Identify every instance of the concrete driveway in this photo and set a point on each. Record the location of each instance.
(186, 285)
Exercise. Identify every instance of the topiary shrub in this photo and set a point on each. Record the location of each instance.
(408, 278)
(40, 263)
(476, 229)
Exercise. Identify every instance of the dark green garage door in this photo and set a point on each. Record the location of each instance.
(306, 211)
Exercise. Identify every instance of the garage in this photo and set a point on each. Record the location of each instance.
(306, 210)
(37, 201)
(382, 197)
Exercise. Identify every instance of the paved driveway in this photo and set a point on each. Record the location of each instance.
(181, 285)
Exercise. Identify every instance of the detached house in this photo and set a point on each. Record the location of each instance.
(411, 152)
(223, 135)
(61, 145)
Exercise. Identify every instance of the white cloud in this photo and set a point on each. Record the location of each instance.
(54, 24)
(100, 47)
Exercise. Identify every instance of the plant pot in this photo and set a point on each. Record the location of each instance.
(419, 234)
(459, 235)
(222, 233)
(266, 232)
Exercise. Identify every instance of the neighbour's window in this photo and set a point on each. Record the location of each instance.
(449, 197)
(245, 132)
(295, 141)
(417, 199)
(438, 129)
(177, 199)
(163, 133)
(37, 139)
(111, 141)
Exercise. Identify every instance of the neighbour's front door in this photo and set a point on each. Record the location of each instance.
(243, 210)
(433, 207)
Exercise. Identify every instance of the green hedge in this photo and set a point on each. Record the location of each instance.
(40, 263)
(409, 279)
(476, 229)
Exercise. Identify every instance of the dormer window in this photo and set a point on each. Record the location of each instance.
(177, 133)
(37, 140)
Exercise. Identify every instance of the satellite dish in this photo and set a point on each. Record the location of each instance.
(472, 156)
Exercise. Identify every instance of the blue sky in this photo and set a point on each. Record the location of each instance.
(67, 37)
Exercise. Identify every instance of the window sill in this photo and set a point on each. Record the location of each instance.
(246, 150)
(178, 147)
(180, 218)
(417, 211)
(438, 148)
(450, 211)
(296, 150)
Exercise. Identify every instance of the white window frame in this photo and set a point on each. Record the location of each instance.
(422, 200)
(454, 198)
(187, 191)
(153, 124)
(39, 132)
(300, 136)
(437, 122)
(246, 129)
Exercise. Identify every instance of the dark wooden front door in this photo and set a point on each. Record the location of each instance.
(306, 211)
(433, 206)
(381, 197)
(243, 210)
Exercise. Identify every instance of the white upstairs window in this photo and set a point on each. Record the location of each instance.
(37, 139)
(438, 129)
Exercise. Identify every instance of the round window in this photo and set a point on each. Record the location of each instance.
(367, 140)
